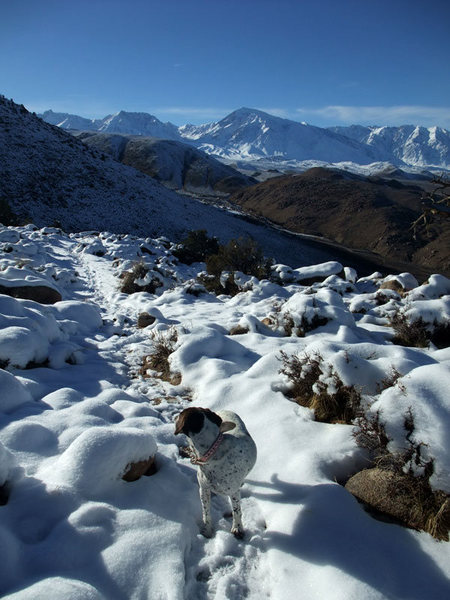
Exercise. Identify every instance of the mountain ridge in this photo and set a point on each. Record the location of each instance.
(248, 134)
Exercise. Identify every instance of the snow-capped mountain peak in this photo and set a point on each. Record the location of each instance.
(250, 134)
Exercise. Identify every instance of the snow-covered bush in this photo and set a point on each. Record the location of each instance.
(231, 263)
(315, 384)
(140, 279)
(422, 322)
(405, 431)
(305, 311)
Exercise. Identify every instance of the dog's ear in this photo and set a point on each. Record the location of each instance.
(212, 416)
(226, 426)
(190, 420)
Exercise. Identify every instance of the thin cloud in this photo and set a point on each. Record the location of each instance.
(381, 115)
(188, 113)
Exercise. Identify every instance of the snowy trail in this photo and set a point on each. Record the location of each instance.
(221, 567)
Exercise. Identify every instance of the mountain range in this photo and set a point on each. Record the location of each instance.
(252, 135)
(49, 177)
(375, 213)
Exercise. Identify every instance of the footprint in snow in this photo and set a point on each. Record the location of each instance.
(224, 567)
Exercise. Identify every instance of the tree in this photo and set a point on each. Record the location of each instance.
(435, 204)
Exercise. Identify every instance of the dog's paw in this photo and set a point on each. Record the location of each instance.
(238, 532)
(206, 531)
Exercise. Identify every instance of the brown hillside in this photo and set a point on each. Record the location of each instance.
(360, 213)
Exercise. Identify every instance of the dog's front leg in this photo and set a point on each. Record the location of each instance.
(205, 498)
(237, 529)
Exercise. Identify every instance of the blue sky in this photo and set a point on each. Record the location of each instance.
(325, 61)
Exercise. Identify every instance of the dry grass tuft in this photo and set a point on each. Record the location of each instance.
(158, 361)
(304, 372)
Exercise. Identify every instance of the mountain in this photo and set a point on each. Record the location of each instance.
(257, 137)
(122, 122)
(47, 176)
(248, 133)
(67, 121)
(408, 144)
(359, 212)
(175, 164)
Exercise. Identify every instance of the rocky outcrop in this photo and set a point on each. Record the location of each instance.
(404, 498)
(38, 293)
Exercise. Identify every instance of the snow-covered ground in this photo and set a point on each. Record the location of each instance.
(75, 410)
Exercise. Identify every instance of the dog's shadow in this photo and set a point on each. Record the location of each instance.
(331, 528)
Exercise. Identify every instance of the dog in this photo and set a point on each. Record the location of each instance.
(224, 451)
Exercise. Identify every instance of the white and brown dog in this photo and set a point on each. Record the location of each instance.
(224, 451)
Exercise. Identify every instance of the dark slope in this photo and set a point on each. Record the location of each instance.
(361, 213)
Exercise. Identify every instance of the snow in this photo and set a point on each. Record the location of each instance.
(96, 460)
(75, 412)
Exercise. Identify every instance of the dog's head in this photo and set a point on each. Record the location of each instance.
(191, 421)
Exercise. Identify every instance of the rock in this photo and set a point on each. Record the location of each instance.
(144, 320)
(38, 293)
(380, 489)
(394, 285)
(268, 322)
(143, 467)
(403, 497)
(238, 330)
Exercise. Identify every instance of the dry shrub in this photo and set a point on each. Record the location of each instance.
(243, 254)
(390, 380)
(158, 361)
(440, 335)
(409, 333)
(340, 406)
(307, 326)
(196, 247)
(139, 271)
(286, 321)
(214, 284)
(418, 333)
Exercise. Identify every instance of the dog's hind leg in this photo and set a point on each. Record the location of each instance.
(205, 498)
(237, 529)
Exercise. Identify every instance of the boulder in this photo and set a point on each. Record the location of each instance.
(238, 330)
(403, 497)
(143, 467)
(38, 293)
(144, 320)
